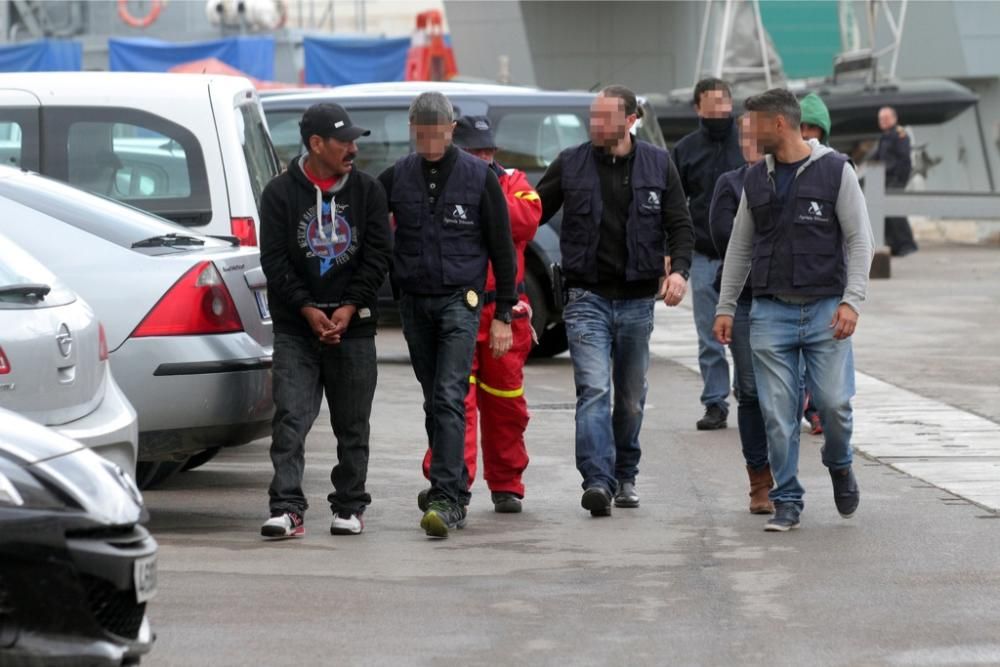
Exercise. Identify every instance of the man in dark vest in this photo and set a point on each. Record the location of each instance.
(622, 204)
(802, 234)
(451, 223)
(702, 157)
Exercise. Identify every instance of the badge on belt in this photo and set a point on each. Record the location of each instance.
(472, 299)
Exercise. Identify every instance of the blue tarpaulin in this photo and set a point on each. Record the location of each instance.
(251, 55)
(47, 55)
(338, 61)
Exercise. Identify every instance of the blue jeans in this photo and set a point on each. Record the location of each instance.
(753, 434)
(711, 353)
(609, 345)
(440, 333)
(305, 369)
(780, 333)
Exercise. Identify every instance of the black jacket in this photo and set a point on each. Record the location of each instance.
(702, 157)
(894, 151)
(304, 268)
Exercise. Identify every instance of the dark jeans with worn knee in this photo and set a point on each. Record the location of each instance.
(441, 334)
(753, 433)
(305, 369)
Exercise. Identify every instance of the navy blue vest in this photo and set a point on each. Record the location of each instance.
(798, 247)
(439, 248)
(583, 206)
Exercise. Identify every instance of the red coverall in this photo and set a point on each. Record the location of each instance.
(496, 386)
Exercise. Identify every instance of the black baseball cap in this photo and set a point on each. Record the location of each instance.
(474, 133)
(329, 120)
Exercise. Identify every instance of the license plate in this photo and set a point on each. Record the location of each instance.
(144, 574)
(265, 312)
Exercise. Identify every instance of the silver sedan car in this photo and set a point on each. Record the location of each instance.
(54, 365)
(186, 316)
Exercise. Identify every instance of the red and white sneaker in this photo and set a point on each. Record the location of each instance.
(346, 523)
(286, 524)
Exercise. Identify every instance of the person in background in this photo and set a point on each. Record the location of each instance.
(893, 151)
(702, 157)
(753, 434)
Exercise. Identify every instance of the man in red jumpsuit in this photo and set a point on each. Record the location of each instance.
(496, 386)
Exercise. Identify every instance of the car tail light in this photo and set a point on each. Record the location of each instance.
(4, 364)
(102, 343)
(245, 230)
(197, 304)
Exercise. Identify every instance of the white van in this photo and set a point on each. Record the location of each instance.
(191, 148)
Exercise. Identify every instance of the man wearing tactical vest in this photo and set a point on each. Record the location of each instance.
(496, 386)
(622, 206)
(451, 223)
(803, 236)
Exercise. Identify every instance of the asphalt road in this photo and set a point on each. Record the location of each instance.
(689, 578)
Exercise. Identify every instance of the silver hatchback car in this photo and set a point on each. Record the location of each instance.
(54, 365)
(188, 327)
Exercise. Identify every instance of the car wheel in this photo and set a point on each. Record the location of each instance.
(200, 459)
(150, 474)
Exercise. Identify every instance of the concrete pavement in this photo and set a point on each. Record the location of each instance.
(687, 579)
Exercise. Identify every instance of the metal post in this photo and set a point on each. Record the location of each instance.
(874, 191)
(723, 38)
(701, 42)
(762, 39)
(898, 36)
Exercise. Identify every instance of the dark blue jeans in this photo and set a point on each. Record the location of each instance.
(304, 369)
(441, 333)
(753, 434)
(609, 345)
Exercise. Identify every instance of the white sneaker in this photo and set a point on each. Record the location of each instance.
(352, 524)
(289, 524)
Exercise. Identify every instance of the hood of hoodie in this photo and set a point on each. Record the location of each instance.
(815, 112)
(298, 172)
(818, 150)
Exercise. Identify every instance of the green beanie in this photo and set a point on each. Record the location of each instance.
(815, 112)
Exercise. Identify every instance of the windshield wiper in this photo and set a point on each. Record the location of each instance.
(168, 240)
(37, 290)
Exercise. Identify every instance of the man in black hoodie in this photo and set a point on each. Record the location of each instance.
(702, 157)
(325, 249)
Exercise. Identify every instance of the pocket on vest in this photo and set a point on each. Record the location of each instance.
(650, 248)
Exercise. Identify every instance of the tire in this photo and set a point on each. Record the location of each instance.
(551, 337)
(200, 459)
(151, 474)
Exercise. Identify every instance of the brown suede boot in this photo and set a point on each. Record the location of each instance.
(760, 484)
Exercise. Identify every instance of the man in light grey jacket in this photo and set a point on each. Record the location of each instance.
(802, 234)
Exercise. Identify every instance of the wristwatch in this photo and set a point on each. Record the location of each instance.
(506, 318)
(683, 273)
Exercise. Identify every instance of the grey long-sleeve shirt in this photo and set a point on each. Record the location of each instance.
(859, 241)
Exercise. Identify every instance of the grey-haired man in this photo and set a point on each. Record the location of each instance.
(451, 223)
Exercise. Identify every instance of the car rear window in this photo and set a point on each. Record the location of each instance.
(132, 156)
(262, 163)
(531, 139)
(103, 217)
(389, 139)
